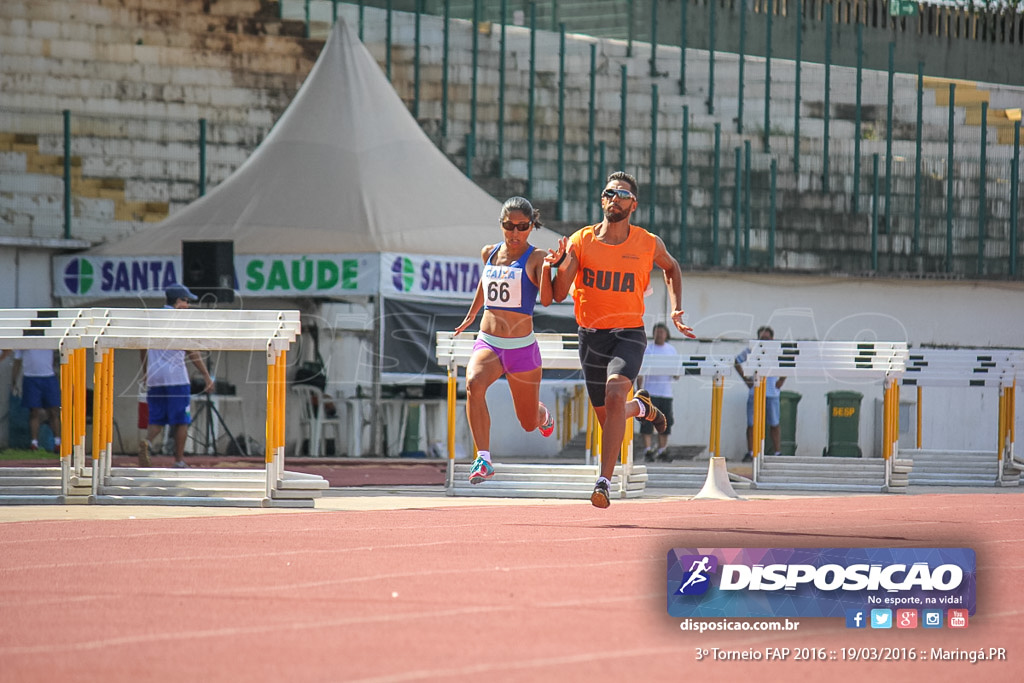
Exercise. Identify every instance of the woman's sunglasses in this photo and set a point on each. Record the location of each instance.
(521, 227)
(617, 194)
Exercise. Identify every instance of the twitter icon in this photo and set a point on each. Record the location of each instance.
(881, 618)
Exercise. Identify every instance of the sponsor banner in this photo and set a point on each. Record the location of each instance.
(102, 277)
(448, 277)
(817, 582)
(307, 275)
(303, 275)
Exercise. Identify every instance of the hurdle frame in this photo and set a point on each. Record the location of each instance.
(71, 331)
(836, 360)
(965, 368)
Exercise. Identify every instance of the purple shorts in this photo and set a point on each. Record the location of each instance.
(520, 359)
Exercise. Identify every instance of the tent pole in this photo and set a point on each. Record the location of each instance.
(376, 422)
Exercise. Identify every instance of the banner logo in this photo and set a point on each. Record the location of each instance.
(78, 276)
(869, 586)
(402, 274)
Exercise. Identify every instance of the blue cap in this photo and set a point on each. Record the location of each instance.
(176, 291)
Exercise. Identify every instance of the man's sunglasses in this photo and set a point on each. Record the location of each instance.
(617, 194)
(521, 227)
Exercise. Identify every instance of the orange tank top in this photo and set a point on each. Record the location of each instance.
(608, 291)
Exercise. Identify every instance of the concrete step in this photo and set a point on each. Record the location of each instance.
(33, 499)
(145, 483)
(183, 491)
(172, 473)
(823, 486)
(543, 481)
(285, 56)
(37, 489)
(952, 481)
(581, 494)
(687, 476)
(47, 480)
(191, 16)
(15, 472)
(202, 501)
(284, 495)
(952, 470)
(214, 96)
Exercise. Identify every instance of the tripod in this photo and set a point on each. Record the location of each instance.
(209, 436)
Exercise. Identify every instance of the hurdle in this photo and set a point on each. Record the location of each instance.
(862, 362)
(106, 329)
(558, 351)
(974, 368)
(716, 481)
(58, 330)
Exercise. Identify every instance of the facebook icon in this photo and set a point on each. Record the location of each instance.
(856, 618)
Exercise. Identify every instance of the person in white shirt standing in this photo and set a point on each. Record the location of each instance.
(772, 390)
(40, 391)
(660, 389)
(169, 389)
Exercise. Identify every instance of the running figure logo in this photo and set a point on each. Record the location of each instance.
(697, 579)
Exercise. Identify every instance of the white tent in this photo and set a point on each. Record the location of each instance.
(345, 170)
(346, 199)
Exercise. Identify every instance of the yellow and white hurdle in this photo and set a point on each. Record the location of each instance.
(561, 351)
(73, 331)
(558, 351)
(837, 360)
(976, 368)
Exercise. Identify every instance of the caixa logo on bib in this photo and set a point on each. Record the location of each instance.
(816, 582)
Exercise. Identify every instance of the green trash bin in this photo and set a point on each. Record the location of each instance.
(843, 424)
(787, 421)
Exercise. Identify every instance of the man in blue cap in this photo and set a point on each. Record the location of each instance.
(169, 389)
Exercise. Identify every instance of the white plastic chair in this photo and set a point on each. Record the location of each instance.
(314, 420)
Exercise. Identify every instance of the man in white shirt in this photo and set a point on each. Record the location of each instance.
(169, 389)
(660, 389)
(772, 390)
(40, 391)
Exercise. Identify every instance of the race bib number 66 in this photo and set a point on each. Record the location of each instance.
(503, 286)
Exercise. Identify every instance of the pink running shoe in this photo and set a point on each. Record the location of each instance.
(482, 471)
(548, 427)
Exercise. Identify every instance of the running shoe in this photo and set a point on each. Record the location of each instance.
(548, 427)
(652, 414)
(180, 465)
(482, 471)
(600, 498)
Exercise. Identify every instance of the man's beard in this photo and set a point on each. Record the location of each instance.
(615, 214)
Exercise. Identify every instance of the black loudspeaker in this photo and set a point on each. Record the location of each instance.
(209, 269)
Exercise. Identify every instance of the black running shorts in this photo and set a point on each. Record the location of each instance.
(610, 352)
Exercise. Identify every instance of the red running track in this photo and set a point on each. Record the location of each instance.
(546, 592)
